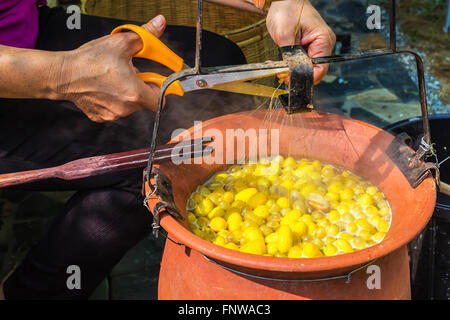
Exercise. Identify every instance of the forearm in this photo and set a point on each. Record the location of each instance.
(28, 73)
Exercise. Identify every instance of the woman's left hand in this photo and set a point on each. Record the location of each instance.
(314, 34)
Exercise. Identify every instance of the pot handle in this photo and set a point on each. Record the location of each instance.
(345, 276)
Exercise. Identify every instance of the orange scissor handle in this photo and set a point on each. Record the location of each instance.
(174, 88)
(153, 49)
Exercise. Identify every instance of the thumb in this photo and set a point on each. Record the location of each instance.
(156, 25)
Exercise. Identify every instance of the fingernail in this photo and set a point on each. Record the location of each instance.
(259, 3)
(158, 21)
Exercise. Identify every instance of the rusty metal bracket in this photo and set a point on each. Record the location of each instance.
(156, 227)
(156, 218)
(162, 188)
(165, 194)
(301, 80)
(409, 162)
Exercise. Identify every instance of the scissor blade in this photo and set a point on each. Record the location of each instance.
(250, 88)
(209, 81)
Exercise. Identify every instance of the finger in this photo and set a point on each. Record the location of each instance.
(156, 25)
(319, 42)
(320, 45)
(283, 78)
(280, 34)
(129, 42)
(320, 71)
(136, 70)
(134, 43)
(149, 94)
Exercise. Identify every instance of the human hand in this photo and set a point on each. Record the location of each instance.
(100, 79)
(314, 34)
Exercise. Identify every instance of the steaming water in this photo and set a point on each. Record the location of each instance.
(275, 118)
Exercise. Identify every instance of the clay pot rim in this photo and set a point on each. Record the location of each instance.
(303, 265)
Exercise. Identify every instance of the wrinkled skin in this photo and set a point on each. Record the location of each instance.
(111, 88)
(315, 35)
(282, 17)
(99, 76)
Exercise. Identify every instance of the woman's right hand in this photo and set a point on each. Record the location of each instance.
(100, 79)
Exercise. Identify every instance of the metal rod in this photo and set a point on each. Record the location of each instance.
(385, 52)
(99, 165)
(392, 26)
(422, 94)
(355, 56)
(198, 38)
(169, 80)
(249, 275)
(423, 98)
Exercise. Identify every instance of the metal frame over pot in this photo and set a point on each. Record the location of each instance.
(412, 163)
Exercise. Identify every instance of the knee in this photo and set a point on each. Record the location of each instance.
(107, 219)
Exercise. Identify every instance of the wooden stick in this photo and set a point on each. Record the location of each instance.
(444, 188)
(98, 165)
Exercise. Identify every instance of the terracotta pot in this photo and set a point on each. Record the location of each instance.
(344, 142)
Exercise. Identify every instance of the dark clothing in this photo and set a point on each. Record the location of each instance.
(105, 217)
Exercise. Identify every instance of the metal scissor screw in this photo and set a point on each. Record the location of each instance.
(202, 83)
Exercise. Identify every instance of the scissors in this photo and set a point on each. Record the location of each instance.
(233, 81)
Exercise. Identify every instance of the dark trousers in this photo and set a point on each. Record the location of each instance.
(105, 217)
